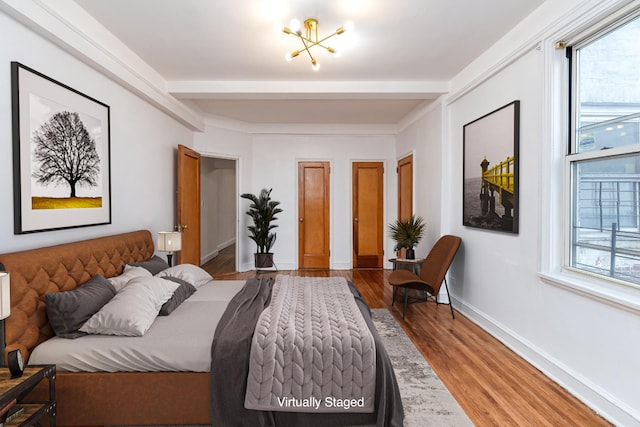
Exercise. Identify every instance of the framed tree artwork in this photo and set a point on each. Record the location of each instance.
(490, 170)
(61, 158)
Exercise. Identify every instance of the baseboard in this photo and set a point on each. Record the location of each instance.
(211, 255)
(208, 257)
(341, 266)
(226, 244)
(598, 399)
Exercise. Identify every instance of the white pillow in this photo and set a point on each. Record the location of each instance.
(189, 273)
(129, 273)
(134, 308)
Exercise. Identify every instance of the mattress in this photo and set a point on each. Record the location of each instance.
(178, 342)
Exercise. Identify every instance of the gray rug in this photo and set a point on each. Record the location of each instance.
(426, 400)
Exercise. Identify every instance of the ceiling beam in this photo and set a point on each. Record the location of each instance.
(224, 89)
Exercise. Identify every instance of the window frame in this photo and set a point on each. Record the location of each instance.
(572, 157)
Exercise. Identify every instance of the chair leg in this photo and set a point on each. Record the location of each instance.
(406, 299)
(393, 300)
(448, 296)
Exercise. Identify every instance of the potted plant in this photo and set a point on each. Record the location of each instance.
(263, 212)
(407, 233)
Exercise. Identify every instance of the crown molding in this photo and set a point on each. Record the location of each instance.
(70, 27)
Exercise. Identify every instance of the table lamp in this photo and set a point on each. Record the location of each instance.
(5, 307)
(169, 242)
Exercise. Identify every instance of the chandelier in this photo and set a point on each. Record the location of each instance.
(310, 38)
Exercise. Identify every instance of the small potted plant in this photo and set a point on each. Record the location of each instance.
(263, 212)
(407, 233)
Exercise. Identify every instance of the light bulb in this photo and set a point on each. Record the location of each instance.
(278, 27)
(348, 26)
(314, 65)
(294, 25)
(291, 55)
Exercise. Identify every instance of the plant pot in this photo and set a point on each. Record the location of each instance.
(263, 260)
(411, 254)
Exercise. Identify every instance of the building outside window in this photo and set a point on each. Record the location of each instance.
(603, 159)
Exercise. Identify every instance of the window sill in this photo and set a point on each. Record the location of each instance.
(612, 293)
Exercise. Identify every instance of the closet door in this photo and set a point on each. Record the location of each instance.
(405, 187)
(368, 199)
(313, 215)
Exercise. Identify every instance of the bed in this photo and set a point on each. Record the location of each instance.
(100, 397)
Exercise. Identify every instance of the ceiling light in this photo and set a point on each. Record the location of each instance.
(310, 38)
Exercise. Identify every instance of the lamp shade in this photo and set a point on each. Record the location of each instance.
(169, 241)
(5, 295)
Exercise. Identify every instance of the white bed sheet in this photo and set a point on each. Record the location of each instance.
(178, 342)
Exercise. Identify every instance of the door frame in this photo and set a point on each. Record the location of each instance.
(296, 163)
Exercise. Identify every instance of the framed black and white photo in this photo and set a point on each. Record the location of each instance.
(490, 170)
(61, 159)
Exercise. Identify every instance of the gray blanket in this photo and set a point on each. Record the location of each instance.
(230, 365)
(312, 350)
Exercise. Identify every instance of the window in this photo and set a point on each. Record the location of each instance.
(604, 154)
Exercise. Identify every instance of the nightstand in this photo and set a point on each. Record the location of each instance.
(19, 388)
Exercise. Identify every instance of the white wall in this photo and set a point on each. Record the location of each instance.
(580, 340)
(143, 141)
(275, 165)
(423, 139)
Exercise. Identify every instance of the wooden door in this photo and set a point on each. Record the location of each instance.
(188, 198)
(313, 215)
(368, 200)
(405, 187)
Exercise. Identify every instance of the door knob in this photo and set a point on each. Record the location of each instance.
(301, 219)
(181, 227)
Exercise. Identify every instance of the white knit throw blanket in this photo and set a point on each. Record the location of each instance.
(312, 350)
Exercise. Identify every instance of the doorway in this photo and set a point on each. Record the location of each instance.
(218, 215)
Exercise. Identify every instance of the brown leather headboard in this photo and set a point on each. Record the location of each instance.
(36, 272)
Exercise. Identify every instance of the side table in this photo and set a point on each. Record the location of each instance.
(17, 388)
(408, 264)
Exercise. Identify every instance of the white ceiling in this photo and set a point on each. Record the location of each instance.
(224, 57)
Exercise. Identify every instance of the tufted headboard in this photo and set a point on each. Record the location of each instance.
(36, 272)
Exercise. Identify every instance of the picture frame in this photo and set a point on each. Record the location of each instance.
(61, 155)
(491, 170)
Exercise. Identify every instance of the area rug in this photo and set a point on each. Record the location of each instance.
(426, 400)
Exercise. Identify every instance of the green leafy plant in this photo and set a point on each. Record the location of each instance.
(407, 232)
(263, 212)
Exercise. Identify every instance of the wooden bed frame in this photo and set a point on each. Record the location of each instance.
(101, 398)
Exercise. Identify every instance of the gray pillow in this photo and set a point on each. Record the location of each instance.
(154, 265)
(184, 291)
(69, 310)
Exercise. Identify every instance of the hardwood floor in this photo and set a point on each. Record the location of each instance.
(493, 385)
(223, 263)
